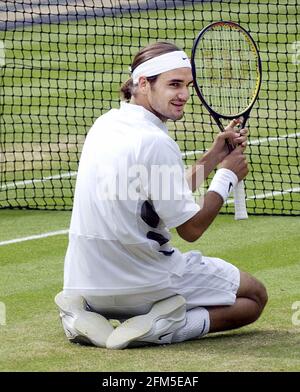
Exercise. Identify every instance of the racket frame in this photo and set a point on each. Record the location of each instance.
(239, 196)
(245, 113)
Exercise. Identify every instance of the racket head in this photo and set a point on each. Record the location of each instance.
(226, 68)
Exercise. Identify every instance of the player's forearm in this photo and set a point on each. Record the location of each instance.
(196, 226)
(201, 170)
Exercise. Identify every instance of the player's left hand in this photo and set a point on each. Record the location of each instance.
(235, 135)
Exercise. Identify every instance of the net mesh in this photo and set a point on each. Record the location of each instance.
(61, 66)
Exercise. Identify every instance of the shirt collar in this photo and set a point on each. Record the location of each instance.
(143, 113)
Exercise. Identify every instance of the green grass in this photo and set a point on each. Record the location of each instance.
(31, 274)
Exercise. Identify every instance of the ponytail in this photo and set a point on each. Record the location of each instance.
(126, 90)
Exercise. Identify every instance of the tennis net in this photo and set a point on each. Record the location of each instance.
(61, 67)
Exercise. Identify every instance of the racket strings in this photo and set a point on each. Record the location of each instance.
(227, 70)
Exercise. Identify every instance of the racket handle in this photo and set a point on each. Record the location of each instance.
(240, 201)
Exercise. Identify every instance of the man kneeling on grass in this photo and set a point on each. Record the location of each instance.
(120, 263)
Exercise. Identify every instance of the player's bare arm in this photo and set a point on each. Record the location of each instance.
(217, 153)
(193, 229)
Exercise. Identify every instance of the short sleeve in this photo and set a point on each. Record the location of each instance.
(165, 183)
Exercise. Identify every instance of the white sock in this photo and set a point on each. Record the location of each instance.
(197, 325)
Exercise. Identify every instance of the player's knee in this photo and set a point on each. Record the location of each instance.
(253, 289)
(262, 295)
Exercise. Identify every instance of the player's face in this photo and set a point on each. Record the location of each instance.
(168, 95)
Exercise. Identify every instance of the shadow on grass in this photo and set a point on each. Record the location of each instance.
(234, 341)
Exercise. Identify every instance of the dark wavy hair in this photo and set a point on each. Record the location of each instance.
(146, 53)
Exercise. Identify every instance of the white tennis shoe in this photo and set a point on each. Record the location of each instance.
(80, 325)
(157, 326)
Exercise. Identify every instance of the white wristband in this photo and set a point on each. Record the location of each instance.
(223, 182)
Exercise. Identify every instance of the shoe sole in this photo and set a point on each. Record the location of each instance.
(70, 305)
(92, 326)
(138, 327)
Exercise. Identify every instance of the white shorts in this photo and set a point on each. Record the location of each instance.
(206, 281)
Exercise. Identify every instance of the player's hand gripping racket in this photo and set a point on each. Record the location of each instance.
(227, 71)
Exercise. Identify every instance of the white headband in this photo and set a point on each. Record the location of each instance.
(163, 63)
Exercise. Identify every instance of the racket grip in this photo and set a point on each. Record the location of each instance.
(240, 201)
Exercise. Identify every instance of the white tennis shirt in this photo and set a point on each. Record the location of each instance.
(130, 190)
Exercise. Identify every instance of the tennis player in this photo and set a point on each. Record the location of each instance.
(131, 189)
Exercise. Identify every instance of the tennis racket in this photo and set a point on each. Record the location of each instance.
(227, 73)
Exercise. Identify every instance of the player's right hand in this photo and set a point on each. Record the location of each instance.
(236, 161)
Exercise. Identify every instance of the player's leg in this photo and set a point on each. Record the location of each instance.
(219, 297)
(250, 302)
(81, 325)
(208, 282)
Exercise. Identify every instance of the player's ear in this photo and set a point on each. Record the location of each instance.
(143, 85)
